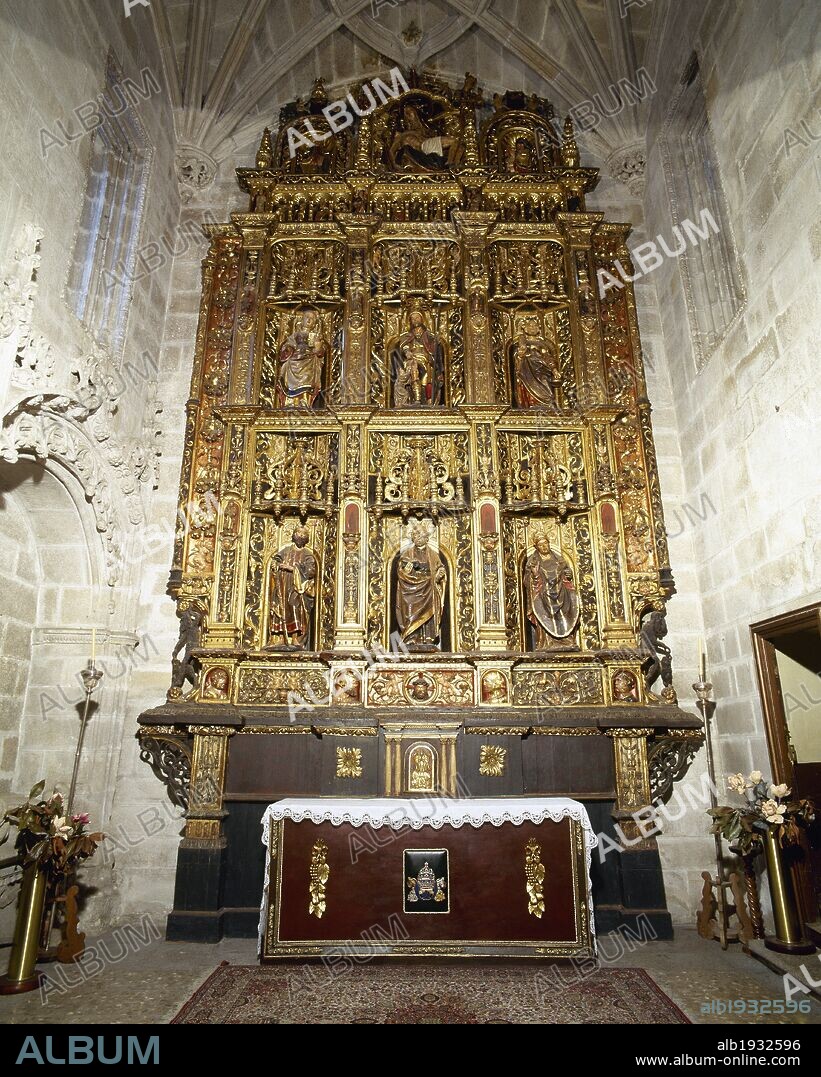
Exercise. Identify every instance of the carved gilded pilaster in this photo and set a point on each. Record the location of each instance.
(352, 579)
(488, 571)
(358, 231)
(473, 229)
(578, 229)
(232, 527)
(248, 299)
(210, 389)
(651, 465)
(209, 759)
(632, 775)
(617, 629)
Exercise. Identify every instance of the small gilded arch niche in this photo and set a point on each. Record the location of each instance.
(421, 768)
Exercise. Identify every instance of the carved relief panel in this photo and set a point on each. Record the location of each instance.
(301, 365)
(417, 355)
(533, 357)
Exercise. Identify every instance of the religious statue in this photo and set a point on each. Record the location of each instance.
(535, 366)
(420, 592)
(421, 776)
(420, 146)
(302, 361)
(185, 668)
(293, 584)
(658, 660)
(551, 599)
(417, 366)
(518, 156)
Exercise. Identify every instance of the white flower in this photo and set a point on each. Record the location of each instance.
(773, 812)
(778, 791)
(755, 777)
(59, 827)
(736, 783)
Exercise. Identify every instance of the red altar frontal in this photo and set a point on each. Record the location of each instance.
(402, 878)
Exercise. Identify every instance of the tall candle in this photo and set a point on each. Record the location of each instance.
(702, 662)
(93, 645)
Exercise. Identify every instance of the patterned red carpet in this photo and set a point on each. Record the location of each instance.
(426, 995)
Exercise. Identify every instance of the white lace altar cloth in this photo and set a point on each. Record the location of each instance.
(431, 811)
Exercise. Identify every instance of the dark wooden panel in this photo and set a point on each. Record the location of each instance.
(569, 766)
(368, 784)
(274, 766)
(245, 867)
(474, 784)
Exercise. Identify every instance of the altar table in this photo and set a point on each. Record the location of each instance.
(376, 877)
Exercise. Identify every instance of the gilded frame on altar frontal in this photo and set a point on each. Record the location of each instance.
(273, 949)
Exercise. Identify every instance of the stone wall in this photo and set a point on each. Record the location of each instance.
(85, 502)
(745, 426)
(20, 581)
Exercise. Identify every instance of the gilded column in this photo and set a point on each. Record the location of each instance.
(488, 574)
(209, 759)
(358, 230)
(351, 578)
(473, 228)
(232, 525)
(578, 229)
(632, 776)
(247, 306)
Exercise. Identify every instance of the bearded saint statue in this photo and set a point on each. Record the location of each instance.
(420, 591)
(552, 602)
(293, 585)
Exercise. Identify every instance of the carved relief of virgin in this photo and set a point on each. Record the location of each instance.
(301, 361)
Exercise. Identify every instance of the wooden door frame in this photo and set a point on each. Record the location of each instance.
(764, 636)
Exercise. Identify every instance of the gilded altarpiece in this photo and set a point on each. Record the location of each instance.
(420, 518)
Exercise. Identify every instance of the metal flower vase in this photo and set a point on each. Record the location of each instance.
(22, 974)
(788, 938)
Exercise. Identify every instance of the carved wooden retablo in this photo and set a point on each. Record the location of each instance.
(419, 496)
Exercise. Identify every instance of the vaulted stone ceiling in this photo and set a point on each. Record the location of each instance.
(231, 64)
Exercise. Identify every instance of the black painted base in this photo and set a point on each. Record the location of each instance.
(636, 925)
(194, 926)
(218, 888)
(628, 886)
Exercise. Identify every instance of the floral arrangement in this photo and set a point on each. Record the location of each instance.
(46, 836)
(767, 805)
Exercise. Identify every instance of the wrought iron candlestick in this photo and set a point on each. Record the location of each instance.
(91, 678)
(702, 688)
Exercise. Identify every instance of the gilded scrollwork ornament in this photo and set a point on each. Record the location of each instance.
(319, 873)
(534, 878)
